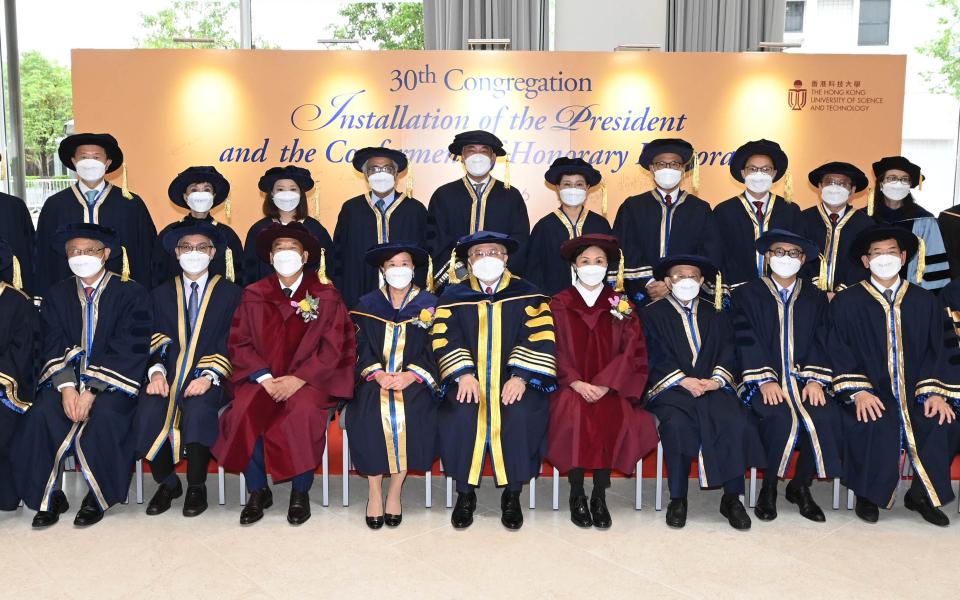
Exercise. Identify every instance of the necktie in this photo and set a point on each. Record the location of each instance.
(784, 295)
(380, 205)
(287, 292)
(91, 196)
(834, 217)
(668, 200)
(489, 290)
(888, 294)
(478, 188)
(759, 210)
(88, 292)
(193, 305)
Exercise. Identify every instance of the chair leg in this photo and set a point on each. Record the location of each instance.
(325, 466)
(836, 493)
(428, 489)
(243, 489)
(659, 498)
(556, 488)
(345, 483)
(221, 486)
(753, 486)
(533, 493)
(638, 501)
(449, 492)
(140, 481)
(849, 499)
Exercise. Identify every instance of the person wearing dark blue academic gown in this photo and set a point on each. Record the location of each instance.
(19, 338)
(178, 411)
(832, 224)
(199, 190)
(572, 178)
(282, 206)
(692, 365)
(780, 322)
(494, 342)
(392, 418)
(950, 299)
(376, 217)
(744, 218)
(96, 340)
(16, 228)
(92, 199)
(475, 202)
(895, 368)
(665, 220)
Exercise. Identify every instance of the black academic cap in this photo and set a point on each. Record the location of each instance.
(477, 136)
(192, 227)
(753, 148)
(360, 157)
(857, 176)
(273, 174)
(68, 148)
(221, 187)
(707, 269)
(664, 145)
(91, 231)
(773, 236)
(381, 253)
(571, 249)
(901, 164)
(485, 237)
(877, 233)
(572, 166)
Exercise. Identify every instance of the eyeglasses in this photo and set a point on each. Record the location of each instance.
(877, 253)
(673, 164)
(677, 277)
(486, 253)
(194, 248)
(373, 169)
(85, 252)
(893, 179)
(840, 182)
(793, 253)
(765, 170)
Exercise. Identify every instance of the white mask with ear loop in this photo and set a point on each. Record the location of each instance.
(287, 262)
(685, 290)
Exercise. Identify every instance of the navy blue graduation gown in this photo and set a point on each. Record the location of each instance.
(185, 355)
(546, 269)
(360, 226)
(715, 428)
(19, 338)
(950, 299)
(901, 353)
(16, 228)
(834, 243)
(167, 267)
(456, 211)
(113, 361)
(392, 431)
(785, 343)
(255, 269)
(737, 220)
(494, 337)
(949, 221)
(129, 218)
(648, 231)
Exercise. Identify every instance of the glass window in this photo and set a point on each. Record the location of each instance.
(794, 18)
(874, 23)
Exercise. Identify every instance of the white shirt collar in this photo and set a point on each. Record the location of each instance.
(841, 212)
(495, 286)
(201, 282)
(483, 184)
(84, 189)
(96, 283)
(387, 200)
(882, 288)
(751, 200)
(295, 285)
(673, 195)
(780, 287)
(589, 296)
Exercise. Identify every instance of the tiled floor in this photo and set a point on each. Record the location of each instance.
(334, 554)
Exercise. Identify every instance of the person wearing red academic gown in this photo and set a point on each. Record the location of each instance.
(293, 352)
(596, 421)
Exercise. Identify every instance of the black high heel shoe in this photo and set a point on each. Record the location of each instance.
(373, 522)
(392, 520)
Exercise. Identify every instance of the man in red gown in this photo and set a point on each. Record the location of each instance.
(293, 352)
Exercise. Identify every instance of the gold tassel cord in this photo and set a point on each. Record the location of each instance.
(125, 269)
(408, 189)
(870, 201)
(718, 293)
(619, 285)
(123, 184)
(603, 198)
(696, 172)
(322, 271)
(316, 201)
(17, 275)
(921, 259)
(822, 278)
(788, 187)
(431, 287)
(228, 209)
(920, 184)
(506, 171)
(452, 267)
(228, 259)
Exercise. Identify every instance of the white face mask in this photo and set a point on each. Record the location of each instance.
(896, 190)
(85, 266)
(90, 169)
(194, 262)
(685, 290)
(668, 178)
(591, 274)
(758, 183)
(835, 195)
(478, 165)
(885, 266)
(286, 201)
(200, 202)
(573, 196)
(287, 262)
(382, 182)
(398, 277)
(784, 266)
(488, 268)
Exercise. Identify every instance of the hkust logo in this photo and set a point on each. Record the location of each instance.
(797, 95)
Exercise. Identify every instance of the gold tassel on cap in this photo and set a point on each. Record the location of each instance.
(788, 187)
(125, 269)
(920, 184)
(619, 285)
(430, 285)
(870, 201)
(506, 171)
(322, 271)
(228, 259)
(228, 209)
(17, 275)
(921, 259)
(603, 198)
(695, 181)
(452, 268)
(123, 184)
(718, 293)
(316, 201)
(408, 189)
(822, 283)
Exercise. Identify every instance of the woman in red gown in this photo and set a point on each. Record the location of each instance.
(596, 422)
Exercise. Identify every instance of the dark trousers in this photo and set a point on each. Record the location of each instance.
(601, 481)
(465, 488)
(256, 473)
(678, 469)
(162, 466)
(805, 468)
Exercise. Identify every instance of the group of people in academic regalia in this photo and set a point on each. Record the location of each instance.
(733, 335)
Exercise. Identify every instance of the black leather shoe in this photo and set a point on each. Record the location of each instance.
(299, 511)
(462, 516)
(866, 510)
(256, 504)
(733, 510)
(89, 513)
(677, 513)
(579, 513)
(766, 508)
(160, 503)
(196, 501)
(373, 522)
(599, 513)
(929, 512)
(512, 515)
(58, 506)
(801, 496)
(392, 520)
